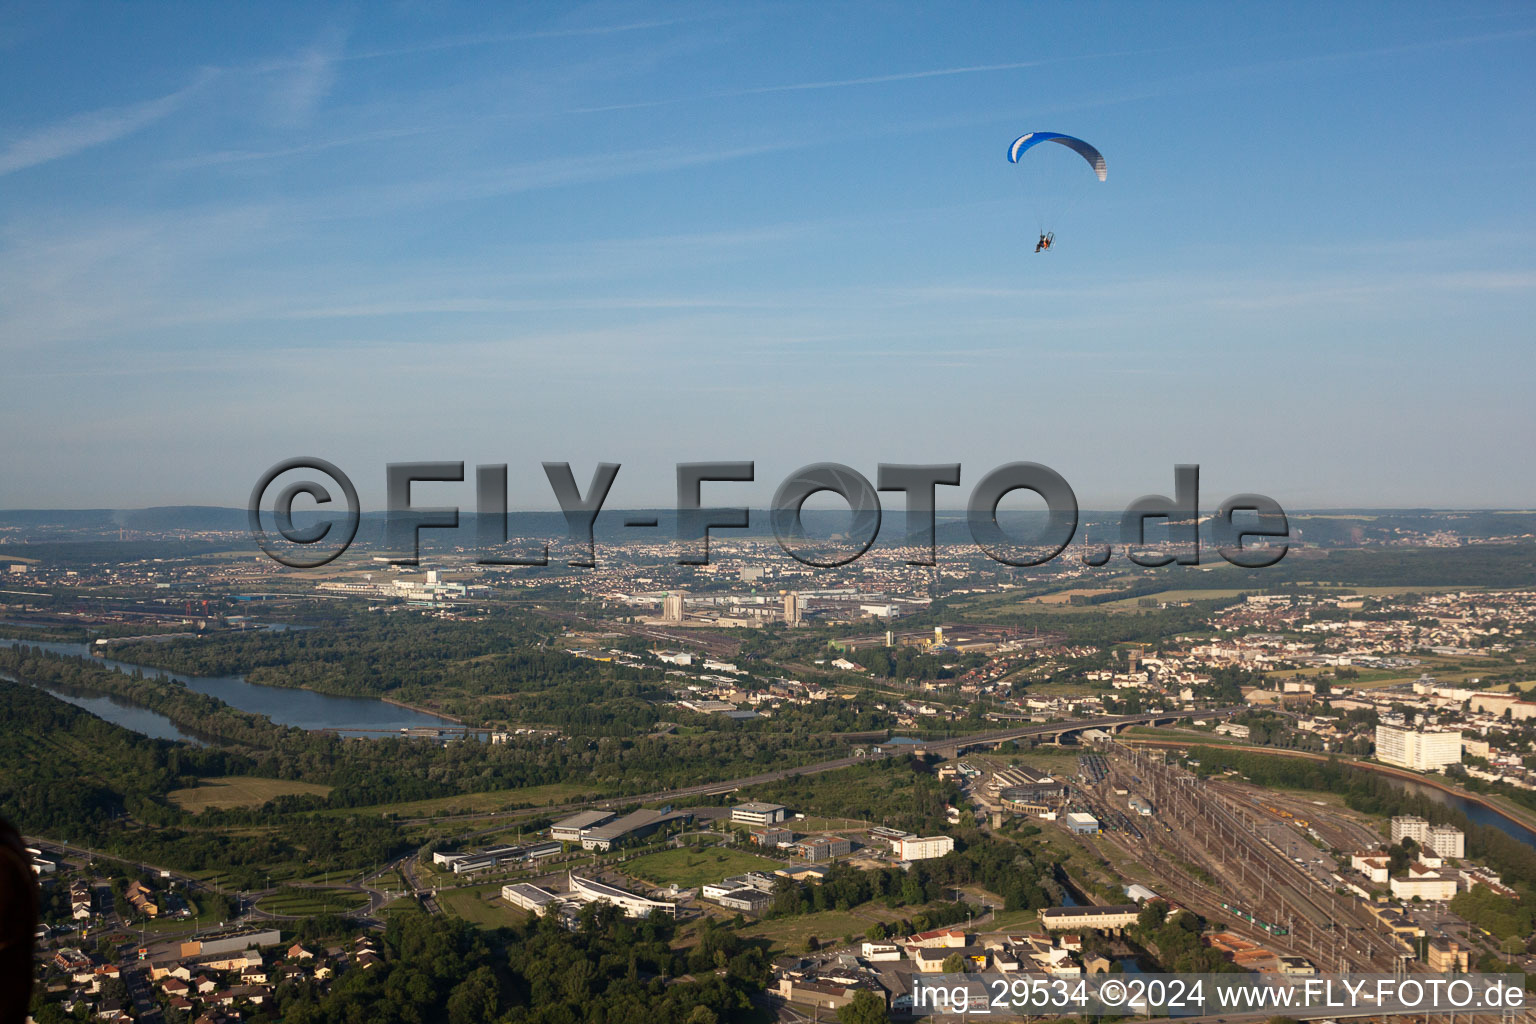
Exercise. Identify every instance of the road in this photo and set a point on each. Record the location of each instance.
(950, 746)
(499, 818)
(247, 898)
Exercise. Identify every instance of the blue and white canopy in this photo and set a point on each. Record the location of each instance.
(1081, 148)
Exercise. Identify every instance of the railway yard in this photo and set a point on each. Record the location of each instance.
(1255, 860)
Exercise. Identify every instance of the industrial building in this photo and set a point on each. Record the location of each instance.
(673, 606)
(792, 609)
(1081, 823)
(1141, 805)
(468, 862)
(636, 825)
(569, 830)
(1018, 775)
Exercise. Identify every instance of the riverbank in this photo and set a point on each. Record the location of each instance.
(455, 719)
(294, 706)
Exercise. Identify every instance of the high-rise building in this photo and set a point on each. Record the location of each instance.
(1411, 827)
(1441, 840)
(672, 607)
(792, 609)
(1447, 841)
(1419, 749)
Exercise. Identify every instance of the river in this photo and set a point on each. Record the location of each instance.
(284, 705)
(118, 711)
(1477, 812)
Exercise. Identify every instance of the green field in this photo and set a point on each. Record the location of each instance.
(1185, 594)
(690, 867)
(789, 934)
(480, 803)
(1012, 921)
(307, 902)
(1051, 759)
(240, 791)
(481, 906)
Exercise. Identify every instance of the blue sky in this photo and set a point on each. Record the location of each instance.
(787, 233)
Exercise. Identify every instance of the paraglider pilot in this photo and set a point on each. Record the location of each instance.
(1046, 238)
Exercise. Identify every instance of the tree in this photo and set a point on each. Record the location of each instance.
(475, 998)
(954, 964)
(864, 1008)
(1152, 916)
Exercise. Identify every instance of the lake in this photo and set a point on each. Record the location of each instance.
(304, 709)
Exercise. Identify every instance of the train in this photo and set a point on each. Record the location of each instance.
(1266, 926)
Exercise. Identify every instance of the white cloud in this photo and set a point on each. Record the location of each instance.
(307, 80)
(95, 128)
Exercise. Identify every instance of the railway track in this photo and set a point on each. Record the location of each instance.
(1219, 834)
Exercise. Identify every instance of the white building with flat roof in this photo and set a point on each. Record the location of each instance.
(1447, 841)
(1426, 750)
(1425, 882)
(1441, 840)
(569, 830)
(915, 848)
(755, 812)
(633, 904)
(1409, 826)
(529, 897)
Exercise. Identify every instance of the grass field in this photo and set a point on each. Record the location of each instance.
(1012, 921)
(478, 803)
(1049, 759)
(1056, 689)
(690, 867)
(1187, 594)
(1066, 596)
(481, 906)
(305, 902)
(239, 791)
(789, 934)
